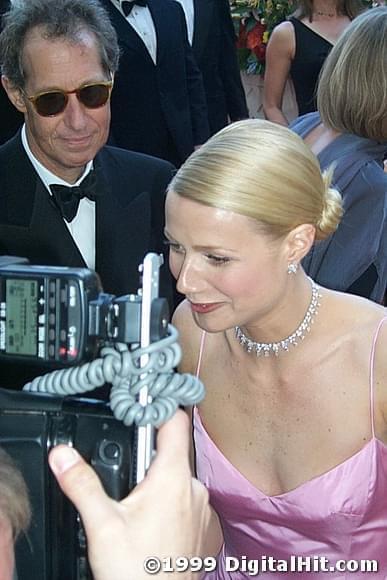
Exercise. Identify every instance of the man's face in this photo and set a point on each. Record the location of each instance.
(66, 142)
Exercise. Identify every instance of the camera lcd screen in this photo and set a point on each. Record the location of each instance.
(22, 313)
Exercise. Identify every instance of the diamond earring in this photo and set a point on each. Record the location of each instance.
(292, 268)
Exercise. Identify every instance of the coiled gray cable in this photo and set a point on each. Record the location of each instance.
(120, 366)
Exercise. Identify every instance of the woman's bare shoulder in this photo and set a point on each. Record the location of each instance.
(189, 336)
(282, 42)
(284, 28)
(283, 33)
(353, 313)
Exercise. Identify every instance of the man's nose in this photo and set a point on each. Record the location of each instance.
(75, 113)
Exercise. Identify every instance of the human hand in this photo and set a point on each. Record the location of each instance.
(166, 515)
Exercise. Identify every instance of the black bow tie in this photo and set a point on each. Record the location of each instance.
(127, 5)
(67, 198)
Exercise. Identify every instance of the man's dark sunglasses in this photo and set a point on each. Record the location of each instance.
(51, 103)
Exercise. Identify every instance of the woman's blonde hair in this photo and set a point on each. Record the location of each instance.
(352, 89)
(263, 171)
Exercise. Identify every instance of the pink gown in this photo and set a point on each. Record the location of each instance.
(340, 515)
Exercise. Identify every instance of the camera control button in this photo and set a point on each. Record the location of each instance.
(109, 451)
(112, 450)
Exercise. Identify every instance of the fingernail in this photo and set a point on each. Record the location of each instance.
(63, 458)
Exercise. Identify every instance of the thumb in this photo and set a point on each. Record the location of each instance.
(172, 447)
(80, 484)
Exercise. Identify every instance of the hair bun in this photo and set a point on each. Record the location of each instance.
(332, 210)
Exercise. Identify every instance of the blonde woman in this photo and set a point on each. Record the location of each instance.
(291, 439)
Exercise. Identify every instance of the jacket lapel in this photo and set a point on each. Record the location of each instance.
(161, 23)
(32, 221)
(203, 10)
(49, 232)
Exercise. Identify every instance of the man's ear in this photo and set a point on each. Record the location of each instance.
(299, 241)
(14, 94)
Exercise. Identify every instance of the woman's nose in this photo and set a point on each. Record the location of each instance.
(190, 278)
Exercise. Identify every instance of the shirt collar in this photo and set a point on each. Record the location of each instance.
(117, 4)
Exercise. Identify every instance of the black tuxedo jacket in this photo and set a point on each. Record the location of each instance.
(129, 221)
(129, 214)
(158, 109)
(214, 49)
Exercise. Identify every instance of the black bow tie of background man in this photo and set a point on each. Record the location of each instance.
(67, 198)
(127, 5)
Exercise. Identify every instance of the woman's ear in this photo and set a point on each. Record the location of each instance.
(299, 241)
(14, 94)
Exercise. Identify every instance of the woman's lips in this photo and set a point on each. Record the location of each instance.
(206, 307)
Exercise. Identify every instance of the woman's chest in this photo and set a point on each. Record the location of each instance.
(281, 435)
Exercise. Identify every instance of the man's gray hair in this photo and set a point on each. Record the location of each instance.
(58, 19)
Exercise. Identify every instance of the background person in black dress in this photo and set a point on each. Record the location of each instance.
(298, 48)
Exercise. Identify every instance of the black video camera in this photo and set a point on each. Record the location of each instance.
(58, 317)
(54, 547)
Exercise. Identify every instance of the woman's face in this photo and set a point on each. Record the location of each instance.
(229, 272)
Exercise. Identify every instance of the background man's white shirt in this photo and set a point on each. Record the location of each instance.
(141, 20)
(82, 228)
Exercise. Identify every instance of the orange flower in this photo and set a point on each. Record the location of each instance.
(255, 36)
(255, 40)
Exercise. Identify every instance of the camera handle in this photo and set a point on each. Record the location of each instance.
(145, 434)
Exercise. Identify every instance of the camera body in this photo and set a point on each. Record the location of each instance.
(52, 317)
(59, 317)
(54, 547)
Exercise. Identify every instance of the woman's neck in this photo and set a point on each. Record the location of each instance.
(324, 9)
(320, 137)
(299, 304)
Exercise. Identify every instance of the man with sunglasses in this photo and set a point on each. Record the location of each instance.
(65, 198)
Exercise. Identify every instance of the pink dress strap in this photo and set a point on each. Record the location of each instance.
(201, 350)
(371, 383)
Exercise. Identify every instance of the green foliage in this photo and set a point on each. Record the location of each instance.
(254, 21)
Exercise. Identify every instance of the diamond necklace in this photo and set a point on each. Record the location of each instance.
(268, 348)
(328, 14)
